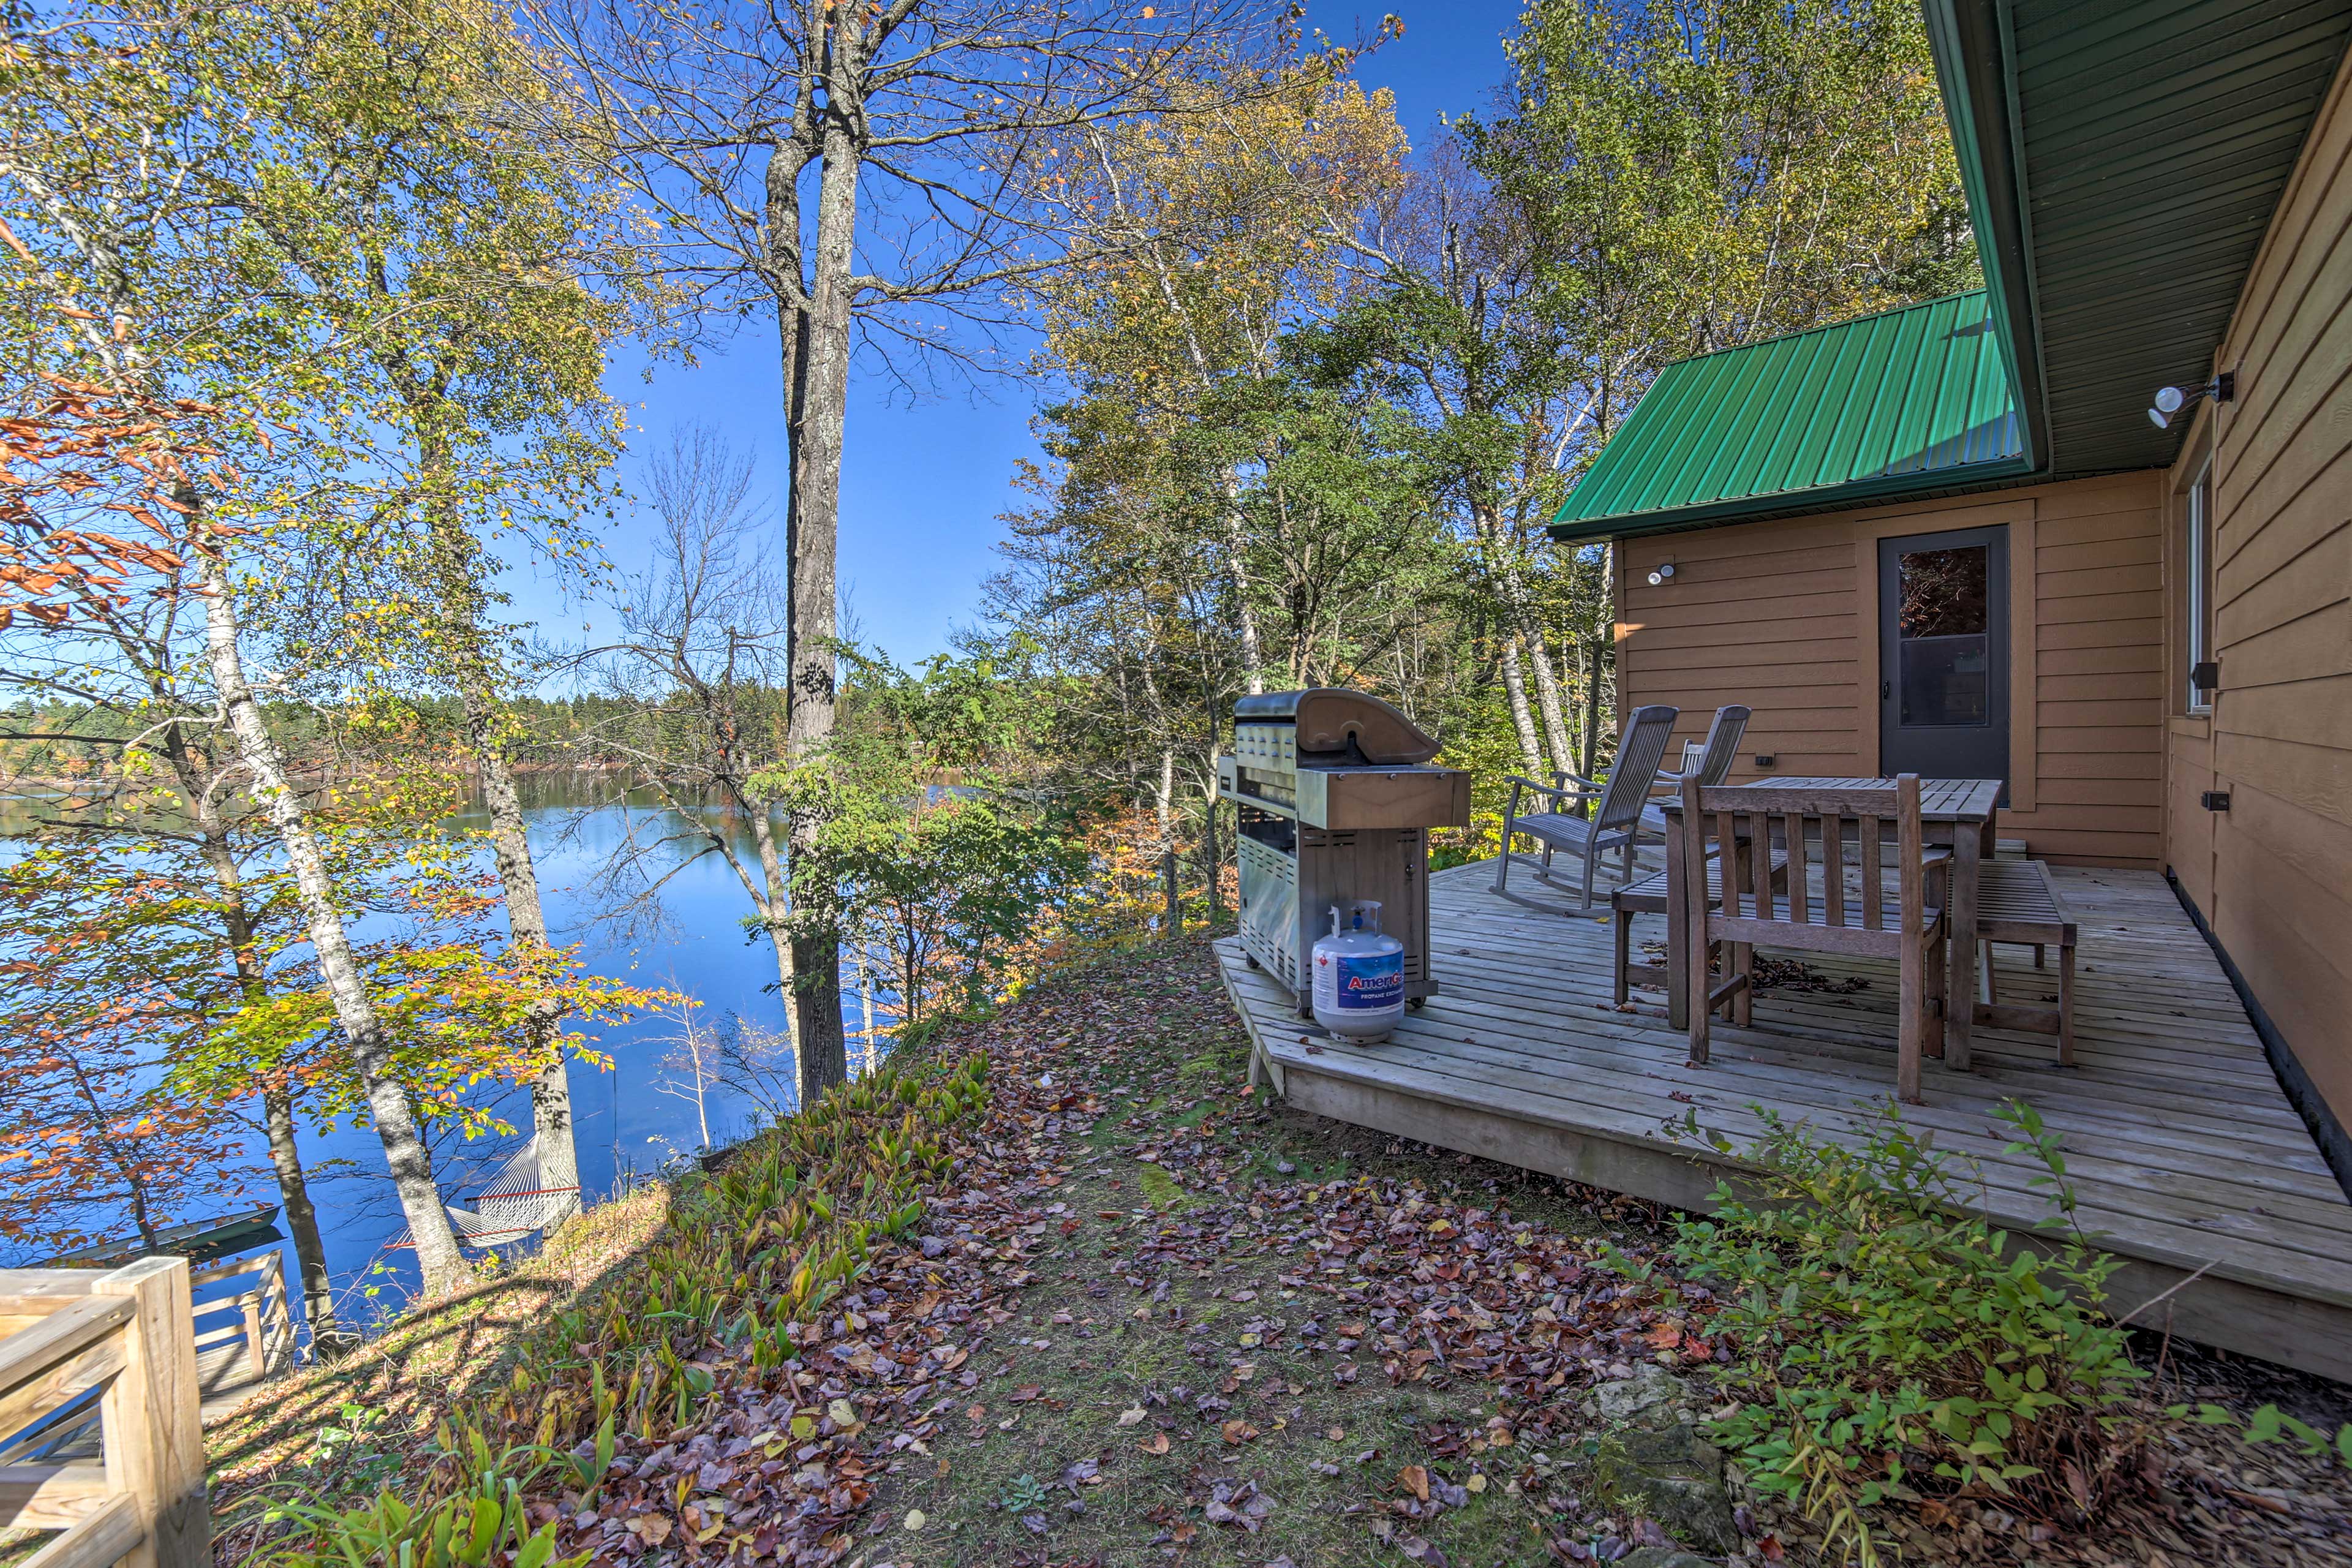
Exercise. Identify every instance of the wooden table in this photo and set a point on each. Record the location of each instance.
(1957, 812)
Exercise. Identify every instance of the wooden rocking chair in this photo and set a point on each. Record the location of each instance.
(1616, 821)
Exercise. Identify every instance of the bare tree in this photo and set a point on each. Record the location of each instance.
(692, 1068)
(884, 176)
(699, 666)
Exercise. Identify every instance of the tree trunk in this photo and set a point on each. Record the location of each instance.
(437, 1253)
(776, 913)
(1523, 718)
(302, 1219)
(865, 1009)
(819, 416)
(1594, 671)
(1213, 860)
(1519, 616)
(551, 1091)
(1236, 543)
(455, 563)
(1547, 697)
(277, 1101)
(1171, 895)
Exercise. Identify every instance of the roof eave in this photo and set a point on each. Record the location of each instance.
(1969, 41)
(1794, 503)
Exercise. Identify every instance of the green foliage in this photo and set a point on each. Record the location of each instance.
(1699, 173)
(1022, 1494)
(1894, 1344)
(2268, 1423)
(934, 851)
(752, 1253)
(482, 1525)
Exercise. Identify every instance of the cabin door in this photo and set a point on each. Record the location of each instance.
(1943, 654)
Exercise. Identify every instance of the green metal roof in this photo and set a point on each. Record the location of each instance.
(2123, 162)
(1895, 402)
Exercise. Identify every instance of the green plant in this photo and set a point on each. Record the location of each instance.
(2268, 1424)
(753, 1252)
(1022, 1494)
(481, 1525)
(353, 1447)
(1895, 1344)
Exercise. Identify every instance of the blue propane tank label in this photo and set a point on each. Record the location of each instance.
(1370, 980)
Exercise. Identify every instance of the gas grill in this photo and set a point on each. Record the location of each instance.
(1336, 801)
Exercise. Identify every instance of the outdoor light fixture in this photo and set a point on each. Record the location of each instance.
(1661, 574)
(2172, 400)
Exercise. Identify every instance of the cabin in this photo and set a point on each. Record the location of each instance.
(2087, 531)
(2162, 661)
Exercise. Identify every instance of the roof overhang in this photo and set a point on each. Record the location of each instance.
(2123, 162)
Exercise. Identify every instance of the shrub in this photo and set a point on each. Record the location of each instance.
(1894, 1344)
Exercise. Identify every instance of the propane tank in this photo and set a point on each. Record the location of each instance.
(1359, 975)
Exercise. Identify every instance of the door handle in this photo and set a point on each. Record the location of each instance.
(1886, 690)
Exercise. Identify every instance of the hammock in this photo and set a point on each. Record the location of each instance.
(513, 1206)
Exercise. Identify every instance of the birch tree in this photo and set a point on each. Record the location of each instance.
(133, 144)
(457, 250)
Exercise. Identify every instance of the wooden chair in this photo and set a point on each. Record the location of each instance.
(2016, 903)
(1648, 897)
(1616, 820)
(1711, 759)
(1906, 923)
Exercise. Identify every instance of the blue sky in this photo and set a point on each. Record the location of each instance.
(924, 482)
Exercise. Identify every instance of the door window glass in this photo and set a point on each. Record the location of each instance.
(1945, 652)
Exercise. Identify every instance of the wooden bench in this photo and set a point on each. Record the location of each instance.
(1648, 897)
(2017, 903)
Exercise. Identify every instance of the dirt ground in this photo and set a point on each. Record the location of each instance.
(1254, 1337)
(1154, 1320)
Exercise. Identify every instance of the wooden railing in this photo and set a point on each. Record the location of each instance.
(127, 1338)
(258, 1339)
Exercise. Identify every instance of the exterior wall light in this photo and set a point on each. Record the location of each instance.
(2172, 400)
(1661, 574)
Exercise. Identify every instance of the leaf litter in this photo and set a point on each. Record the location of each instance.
(1355, 1351)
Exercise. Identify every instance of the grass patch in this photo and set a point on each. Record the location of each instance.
(1160, 1188)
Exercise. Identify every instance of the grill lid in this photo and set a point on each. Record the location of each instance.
(1335, 723)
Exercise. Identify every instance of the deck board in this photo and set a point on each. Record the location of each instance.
(2183, 1152)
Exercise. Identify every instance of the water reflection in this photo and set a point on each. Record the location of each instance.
(685, 934)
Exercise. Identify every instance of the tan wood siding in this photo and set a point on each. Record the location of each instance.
(1782, 615)
(2273, 874)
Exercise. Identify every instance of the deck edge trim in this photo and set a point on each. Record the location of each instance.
(2318, 1117)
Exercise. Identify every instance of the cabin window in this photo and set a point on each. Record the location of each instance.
(2200, 639)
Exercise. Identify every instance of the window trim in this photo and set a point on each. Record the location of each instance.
(2197, 625)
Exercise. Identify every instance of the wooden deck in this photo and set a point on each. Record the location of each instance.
(2183, 1150)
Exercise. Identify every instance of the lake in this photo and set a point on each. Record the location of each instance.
(689, 938)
